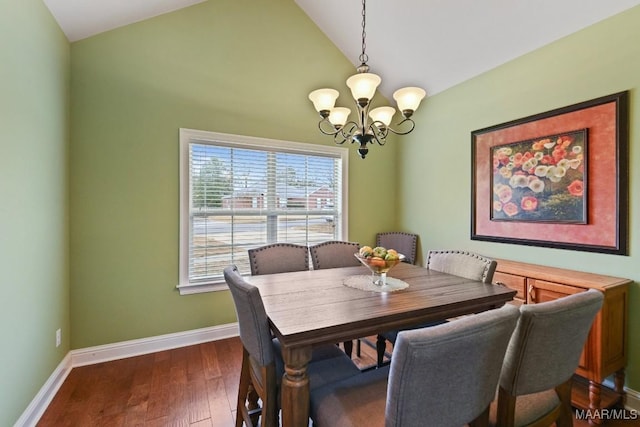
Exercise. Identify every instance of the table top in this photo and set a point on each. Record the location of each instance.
(314, 307)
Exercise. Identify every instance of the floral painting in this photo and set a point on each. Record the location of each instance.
(541, 180)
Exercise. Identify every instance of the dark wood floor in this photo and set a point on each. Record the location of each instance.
(189, 386)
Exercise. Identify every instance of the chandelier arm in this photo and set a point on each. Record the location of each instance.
(379, 132)
(398, 132)
(345, 133)
(328, 125)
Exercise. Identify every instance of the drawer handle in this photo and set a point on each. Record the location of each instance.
(531, 294)
(500, 283)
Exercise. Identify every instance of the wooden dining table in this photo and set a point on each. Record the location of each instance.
(308, 308)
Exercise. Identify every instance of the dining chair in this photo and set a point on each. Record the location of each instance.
(544, 352)
(404, 243)
(335, 254)
(441, 376)
(262, 364)
(465, 264)
(278, 258)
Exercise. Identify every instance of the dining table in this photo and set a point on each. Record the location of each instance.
(309, 308)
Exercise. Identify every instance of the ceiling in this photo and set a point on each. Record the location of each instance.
(434, 44)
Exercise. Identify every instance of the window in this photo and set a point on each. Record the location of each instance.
(239, 192)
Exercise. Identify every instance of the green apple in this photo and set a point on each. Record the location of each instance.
(379, 251)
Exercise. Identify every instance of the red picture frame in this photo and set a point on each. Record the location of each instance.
(605, 229)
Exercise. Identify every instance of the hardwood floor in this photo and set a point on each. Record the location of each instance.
(189, 386)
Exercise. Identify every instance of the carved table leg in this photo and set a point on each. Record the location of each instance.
(295, 387)
(594, 402)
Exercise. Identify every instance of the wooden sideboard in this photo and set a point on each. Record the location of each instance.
(605, 352)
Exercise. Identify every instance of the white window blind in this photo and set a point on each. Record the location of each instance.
(242, 192)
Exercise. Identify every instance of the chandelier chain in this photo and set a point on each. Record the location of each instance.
(364, 58)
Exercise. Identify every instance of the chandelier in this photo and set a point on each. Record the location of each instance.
(371, 125)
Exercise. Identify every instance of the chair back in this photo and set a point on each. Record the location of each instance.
(252, 317)
(546, 345)
(278, 258)
(460, 361)
(462, 263)
(334, 254)
(404, 243)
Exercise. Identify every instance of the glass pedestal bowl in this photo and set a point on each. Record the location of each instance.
(379, 268)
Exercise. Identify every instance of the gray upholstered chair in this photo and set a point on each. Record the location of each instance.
(262, 365)
(544, 352)
(462, 263)
(441, 376)
(334, 254)
(278, 258)
(404, 243)
(458, 263)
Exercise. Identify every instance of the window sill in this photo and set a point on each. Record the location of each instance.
(190, 289)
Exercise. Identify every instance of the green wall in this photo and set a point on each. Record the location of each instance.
(239, 67)
(600, 60)
(34, 276)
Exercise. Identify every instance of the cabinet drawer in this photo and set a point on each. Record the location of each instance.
(517, 283)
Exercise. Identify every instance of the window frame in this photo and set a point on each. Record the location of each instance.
(188, 136)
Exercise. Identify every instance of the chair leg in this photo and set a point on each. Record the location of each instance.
(348, 347)
(565, 418)
(506, 409)
(253, 407)
(381, 346)
(482, 420)
(243, 389)
(269, 397)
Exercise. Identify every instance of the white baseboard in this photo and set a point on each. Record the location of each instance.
(105, 353)
(633, 399)
(115, 351)
(39, 404)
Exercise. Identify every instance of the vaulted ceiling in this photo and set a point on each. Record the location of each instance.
(434, 44)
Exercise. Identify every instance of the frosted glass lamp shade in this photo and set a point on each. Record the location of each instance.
(323, 99)
(363, 85)
(408, 98)
(382, 114)
(339, 116)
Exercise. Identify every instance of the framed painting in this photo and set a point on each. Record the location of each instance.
(557, 179)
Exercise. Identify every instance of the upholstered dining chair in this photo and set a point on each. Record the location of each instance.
(335, 254)
(262, 364)
(404, 243)
(544, 352)
(465, 264)
(443, 376)
(278, 258)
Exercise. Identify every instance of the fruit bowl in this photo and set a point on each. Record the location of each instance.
(379, 267)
